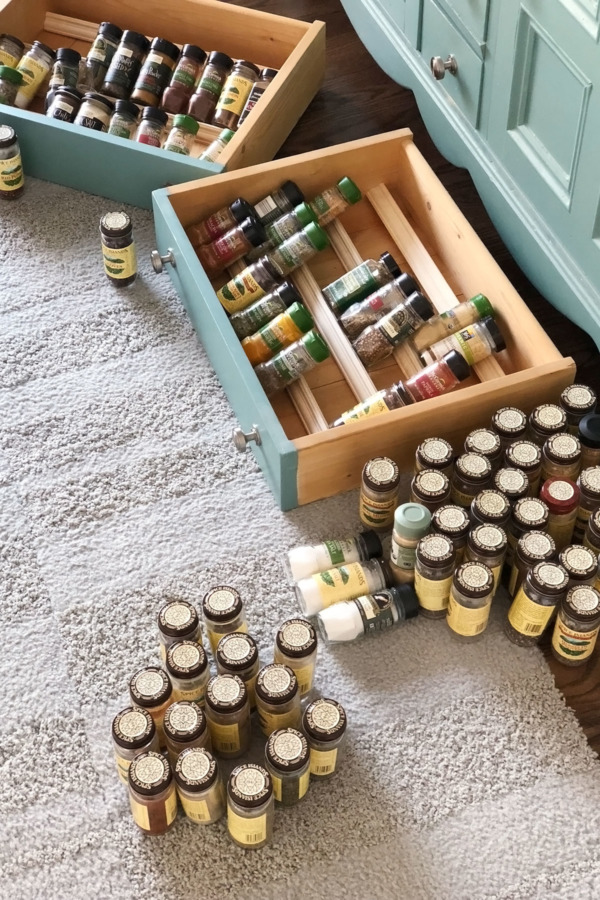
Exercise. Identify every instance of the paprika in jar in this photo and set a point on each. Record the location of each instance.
(220, 222)
(439, 378)
(231, 246)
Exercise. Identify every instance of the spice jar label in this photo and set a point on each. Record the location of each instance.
(11, 173)
(196, 810)
(120, 263)
(338, 584)
(304, 676)
(465, 620)
(303, 784)
(196, 695)
(433, 595)
(276, 787)
(240, 292)
(376, 611)
(527, 617)
(235, 95)
(225, 738)
(573, 644)
(403, 557)
(123, 768)
(247, 831)
(270, 722)
(140, 814)
(372, 407)
(322, 762)
(171, 807)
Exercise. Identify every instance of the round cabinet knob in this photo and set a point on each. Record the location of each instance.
(158, 261)
(440, 66)
(241, 439)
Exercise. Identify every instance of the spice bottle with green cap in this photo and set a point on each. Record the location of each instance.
(360, 281)
(561, 456)
(282, 228)
(589, 439)
(434, 566)
(308, 560)
(510, 424)
(532, 547)
(280, 332)
(470, 601)
(298, 248)
(234, 94)
(411, 522)
(475, 342)
(177, 621)
(394, 397)
(278, 202)
(472, 473)
(342, 583)
(526, 456)
(223, 612)
(577, 400)
(237, 654)
(589, 499)
(487, 443)
(296, 647)
(118, 248)
(369, 614)
(543, 588)
(453, 522)
(544, 420)
(380, 302)
(287, 759)
(331, 202)
(181, 137)
(512, 482)
(185, 726)
(434, 453)
(591, 537)
(216, 147)
(199, 786)
(380, 484)
(292, 362)
(528, 514)
(378, 341)
(487, 544)
(152, 794)
(490, 507)
(324, 723)
(204, 100)
(187, 665)
(151, 688)
(249, 320)
(576, 627)
(249, 285)
(431, 488)
(580, 564)
(451, 321)
(250, 806)
(231, 246)
(277, 698)
(133, 732)
(227, 710)
(10, 81)
(561, 495)
(219, 222)
(176, 96)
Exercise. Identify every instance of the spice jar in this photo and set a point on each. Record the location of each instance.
(439, 378)
(133, 732)
(187, 665)
(258, 88)
(219, 222)
(561, 456)
(380, 484)
(528, 514)
(341, 583)
(451, 321)
(176, 96)
(199, 786)
(453, 522)
(287, 225)
(434, 453)
(151, 688)
(250, 806)
(34, 66)
(204, 100)
(101, 52)
(576, 627)
(155, 72)
(234, 94)
(249, 320)
(231, 246)
(475, 342)
(181, 136)
(237, 654)
(216, 147)
(152, 794)
(485, 442)
(526, 456)
(151, 127)
(589, 438)
(562, 498)
(298, 248)
(532, 547)
(10, 81)
(411, 523)
(367, 312)
(95, 112)
(124, 119)
(277, 334)
(287, 759)
(490, 507)
(580, 564)
(332, 202)
(431, 488)
(65, 72)
(278, 202)
(277, 698)
(250, 285)
(589, 499)
(544, 420)
(228, 714)
(177, 621)
(543, 587)
(292, 362)
(471, 474)
(591, 537)
(394, 397)
(577, 400)
(324, 723)
(305, 561)
(512, 482)
(12, 182)
(487, 544)
(125, 65)
(296, 648)
(223, 613)
(360, 281)
(470, 601)
(370, 614)
(185, 726)
(510, 424)
(434, 565)
(118, 248)
(11, 50)
(378, 341)
(65, 104)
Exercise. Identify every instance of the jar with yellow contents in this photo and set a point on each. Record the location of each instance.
(472, 473)
(277, 698)
(199, 786)
(187, 665)
(237, 654)
(177, 621)
(434, 565)
(470, 601)
(324, 723)
(151, 689)
(133, 732)
(228, 713)
(530, 612)
(296, 647)
(223, 613)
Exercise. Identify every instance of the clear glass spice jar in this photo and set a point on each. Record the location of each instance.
(219, 222)
(324, 722)
(490, 507)
(237, 654)
(227, 712)
(434, 453)
(561, 456)
(472, 473)
(512, 482)
(370, 614)
(431, 488)
(526, 456)
(378, 341)
(118, 248)
(216, 147)
(287, 760)
(359, 282)
(562, 498)
(308, 560)
(12, 180)
(577, 400)
(124, 120)
(10, 81)
(296, 647)
(151, 128)
(475, 342)
(101, 52)
(94, 112)
(249, 320)
(283, 228)
(250, 806)
(203, 102)
(485, 442)
(278, 202)
(187, 665)
(186, 74)
(258, 88)
(394, 397)
(591, 537)
(152, 794)
(367, 312)
(589, 500)
(199, 786)
(439, 378)
(531, 610)
(453, 522)
(234, 94)
(411, 523)
(532, 547)
(528, 514)
(181, 137)
(470, 601)
(487, 544)
(277, 698)
(341, 583)
(34, 66)
(133, 732)
(292, 362)
(231, 246)
(451, 321)
(248, 286)
(125, 65)
(65, 72)
(434, 566)
(332, 202)
(580, 564)
(589, 439)
(379, 489)
(177, 621)
(544, 420)
(510, 424)
(155, 72)
(11, 50)
(65, 104)
(185, 726)
(151, 688)
(576, 627)
(298, 248)
(224, 613)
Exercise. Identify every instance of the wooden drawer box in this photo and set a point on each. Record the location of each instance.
(125, 170)
(404, 210)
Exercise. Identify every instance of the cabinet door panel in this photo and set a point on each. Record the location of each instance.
(473, 14)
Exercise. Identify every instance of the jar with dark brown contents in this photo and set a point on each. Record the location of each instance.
(155, 73)
(200, 786)
(435, 453)
(185, 726)
(487, 443)
(204, 100)
(12, 182)
(487, 544)
(177, 621)
(589, 499)
(177, 94)
(490, 507)
(589, 438)
(277, 698)
(118, 249)
(324, 723)
(434, 564)
(526, 456)
(576, 627)
(430, 488)
(152, 794)
(510, 424)
(287, 759)
(379, 493)
(377, 341)
(133, 732)
(528, 514)
(234, 94)
(532, 547)
(125, 65)
(561, 456)
(223, 613)
(250, 806)
(228, 714)
(580, 564)
(511, 482)
(561, 495)
(545, 420)
(101, 53)
(237, 654)
(470, 601)
(530, 612)
(472, 473)
(296, 647)
(453, 522)
(577, 400)
(151, 688)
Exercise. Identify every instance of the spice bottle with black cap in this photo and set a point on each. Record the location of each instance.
(589, 438)
(177, 621)
(580, 564)
(176, 96)
(342, 583)
(531, 610)
(591, 537)
(434, 453)
(133, 732)
(287, 760)
(510, 424)
(589, 499)
(561, 495)
(377, 304)
(394, 397)
(187, 665)
(434, 566)
(324, 723)
(223, 613)
(199, 786)
(228, 713)
(526, 456)
(151, 688)
(514, 483)
(247, 321)
(470, 601)
(411, 523)
(237, 654)
(250, 806)
(441, 377)
(231, 246)
(487, 443)
(475, 342)
(204, 100)
(378, 341)
(487, 544)
(125, 65)
(380, 484)
(152, 794)
(219, 222)
(296, 647)
(576, 627)
(545, 420)
(308, 560)
(528, 514)
(185, 726)
(281, 201)
(451, 321)
(577, 400)
(277, 698)
(430, 488)
(453, 522)
(532, 547)
(118, 248)
(490, 507)
(472, 473)
(360, 281)
(371, 614)
(258, 88)
(561, 456)
(101, 52)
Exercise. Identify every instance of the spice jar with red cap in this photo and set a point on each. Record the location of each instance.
(561, 495)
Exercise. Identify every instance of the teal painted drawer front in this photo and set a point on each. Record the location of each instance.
(471, 16)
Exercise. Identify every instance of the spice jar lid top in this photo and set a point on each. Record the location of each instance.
(150, 773)
(127, 107)
(184, 721)
(226, 693)
(578, 397)
(512, 482)
(436, 548)
(115, 224)
(222, 603)
(151, 686)
(452, 519)
(293, 193)
(407, 284)
(304, 214)
(196, 769)
(296, 638)
(301, 317)
(589, 479)
(186, 659)
(192, 51)
(523, 454)
(488, 539)
(492, 503)
(563, 446)
(188, 123)
(218, 58)
(287, 293)
(98, 98)
(457, 364)
(421, 305)
(474, 465)
(349, 190)
(431, 482)
(157, 115)
(177, 617)
(13, 39)
(474, 579)
(381, 473)
(108, 28)
(45, 48)
(240, 209)
(579, 561)
(287, 749)
(405, 598)
(589, 430)
(236, 650)
(133, 727)
(7, 73)
(7, 135)
(531, 511)
(276, 683)
(537, 545)
(324, 719)
(315, 346)
(483, 441)
(68, 55)
(390, 263)
(161, 45)
(560, 494)
(509, 420)
(68, 91)
(250, 785)
(134, 37)
(582, 602)
(435, 450)
(268, 73)
(549, 417)
(550, 577)
(412, 520)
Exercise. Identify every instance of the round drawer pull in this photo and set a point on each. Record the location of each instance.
(440, 66)
(241, 439)
(158, 261)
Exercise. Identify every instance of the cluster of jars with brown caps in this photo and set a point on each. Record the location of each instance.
(184, 722)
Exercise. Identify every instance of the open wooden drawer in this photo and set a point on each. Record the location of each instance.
(407, 211)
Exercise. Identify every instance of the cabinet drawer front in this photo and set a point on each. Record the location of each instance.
(472, 15)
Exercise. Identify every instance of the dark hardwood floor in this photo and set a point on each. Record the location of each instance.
(358, 100)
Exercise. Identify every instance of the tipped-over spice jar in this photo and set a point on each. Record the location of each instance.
(342, 583)
(305, 561)
(296, 647)
(371, 614)
(152, 794)
(324, 723)
(200, 786)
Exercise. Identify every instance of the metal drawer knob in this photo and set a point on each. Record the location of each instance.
(241, 439)
(158, 261)
(440, 66)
